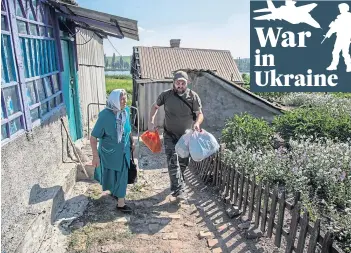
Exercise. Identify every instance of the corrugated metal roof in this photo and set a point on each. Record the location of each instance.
(100, 22)
(161, 62)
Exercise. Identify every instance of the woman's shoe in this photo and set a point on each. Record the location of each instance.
(124, 209)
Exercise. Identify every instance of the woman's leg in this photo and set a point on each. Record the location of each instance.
(121, 189)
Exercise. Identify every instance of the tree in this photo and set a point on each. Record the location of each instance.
(126, 65)
(113, 60)
(246, 78)
(121, 61)
(106, 61)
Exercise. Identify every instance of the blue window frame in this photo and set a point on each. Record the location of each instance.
(12, 113)
(31, 91)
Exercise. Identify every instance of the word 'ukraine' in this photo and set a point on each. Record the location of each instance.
(286, 39)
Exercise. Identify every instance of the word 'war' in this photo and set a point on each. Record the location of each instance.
(272, 79)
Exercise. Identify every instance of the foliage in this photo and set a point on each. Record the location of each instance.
(127, 84)
(341, 94)
(316, 121)
(124, 77)
(117, 62)
(318, 100)
(246, 79)
(254, 132)
(319, 169)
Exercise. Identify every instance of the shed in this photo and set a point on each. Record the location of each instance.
(153, 67)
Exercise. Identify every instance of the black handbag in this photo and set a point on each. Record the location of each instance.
(132, 170)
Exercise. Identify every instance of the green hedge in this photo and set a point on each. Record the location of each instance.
(316, 122)
(254, 132)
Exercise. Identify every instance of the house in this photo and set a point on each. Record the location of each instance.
(52, 68)
(213, 75)
(153, 67)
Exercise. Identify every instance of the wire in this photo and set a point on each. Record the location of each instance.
(86, 42)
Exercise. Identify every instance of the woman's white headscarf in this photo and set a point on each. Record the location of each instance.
(114, 104)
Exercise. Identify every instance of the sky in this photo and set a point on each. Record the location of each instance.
(222, 24)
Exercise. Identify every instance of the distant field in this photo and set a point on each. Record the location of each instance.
(115, 83)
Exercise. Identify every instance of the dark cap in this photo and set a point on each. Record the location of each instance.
(180, 75)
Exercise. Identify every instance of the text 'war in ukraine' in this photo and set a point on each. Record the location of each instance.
(292, 52)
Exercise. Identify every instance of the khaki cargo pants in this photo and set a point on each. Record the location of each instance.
(176, 164)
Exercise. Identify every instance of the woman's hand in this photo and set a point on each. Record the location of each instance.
(96, 161)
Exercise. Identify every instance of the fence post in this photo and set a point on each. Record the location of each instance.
(303, 232)
(314, 236)
(265, 208)
(272, 213)
(293, 228)
(252, 196)
(280, 222)
(327, 242)
(258, 205)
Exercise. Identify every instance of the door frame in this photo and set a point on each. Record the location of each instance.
(76, 97)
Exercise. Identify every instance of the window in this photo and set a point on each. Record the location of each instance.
(38, 49)
(12, 116)
(29, 93)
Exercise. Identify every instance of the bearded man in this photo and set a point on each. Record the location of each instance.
(182, 111)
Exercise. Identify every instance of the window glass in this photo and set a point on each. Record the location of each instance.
(31, 93)
(52, 103)
(3, 132)
(41, 89)
(9, 61)
(34, 114)
(22, 27)
(19, 11)
(4, 23)
(15, 125)
(55, 83)
(42, 31)
(48, 86)
(59, 99)
(11, 100)
(44, 108)
(33, 29)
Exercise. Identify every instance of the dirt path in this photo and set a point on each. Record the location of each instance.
(159, 223)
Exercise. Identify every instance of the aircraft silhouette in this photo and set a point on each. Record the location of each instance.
(290, 13)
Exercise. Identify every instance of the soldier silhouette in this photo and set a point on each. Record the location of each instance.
(342, 27)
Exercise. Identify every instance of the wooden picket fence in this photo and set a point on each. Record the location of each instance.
(240, 189)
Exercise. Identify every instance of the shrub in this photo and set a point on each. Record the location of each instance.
(320, 169)
(272, 96)
(268, 165)
(317, 122)
(342, 105)
(342, 95)
(253, 132)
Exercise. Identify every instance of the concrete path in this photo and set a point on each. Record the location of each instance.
(159, 223)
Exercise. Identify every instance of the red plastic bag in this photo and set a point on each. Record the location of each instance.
(152, 141)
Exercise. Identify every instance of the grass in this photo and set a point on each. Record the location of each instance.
(113, 82)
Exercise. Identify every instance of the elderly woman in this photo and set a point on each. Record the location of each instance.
(112, 159)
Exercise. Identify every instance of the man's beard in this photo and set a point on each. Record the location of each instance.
(179, 91)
